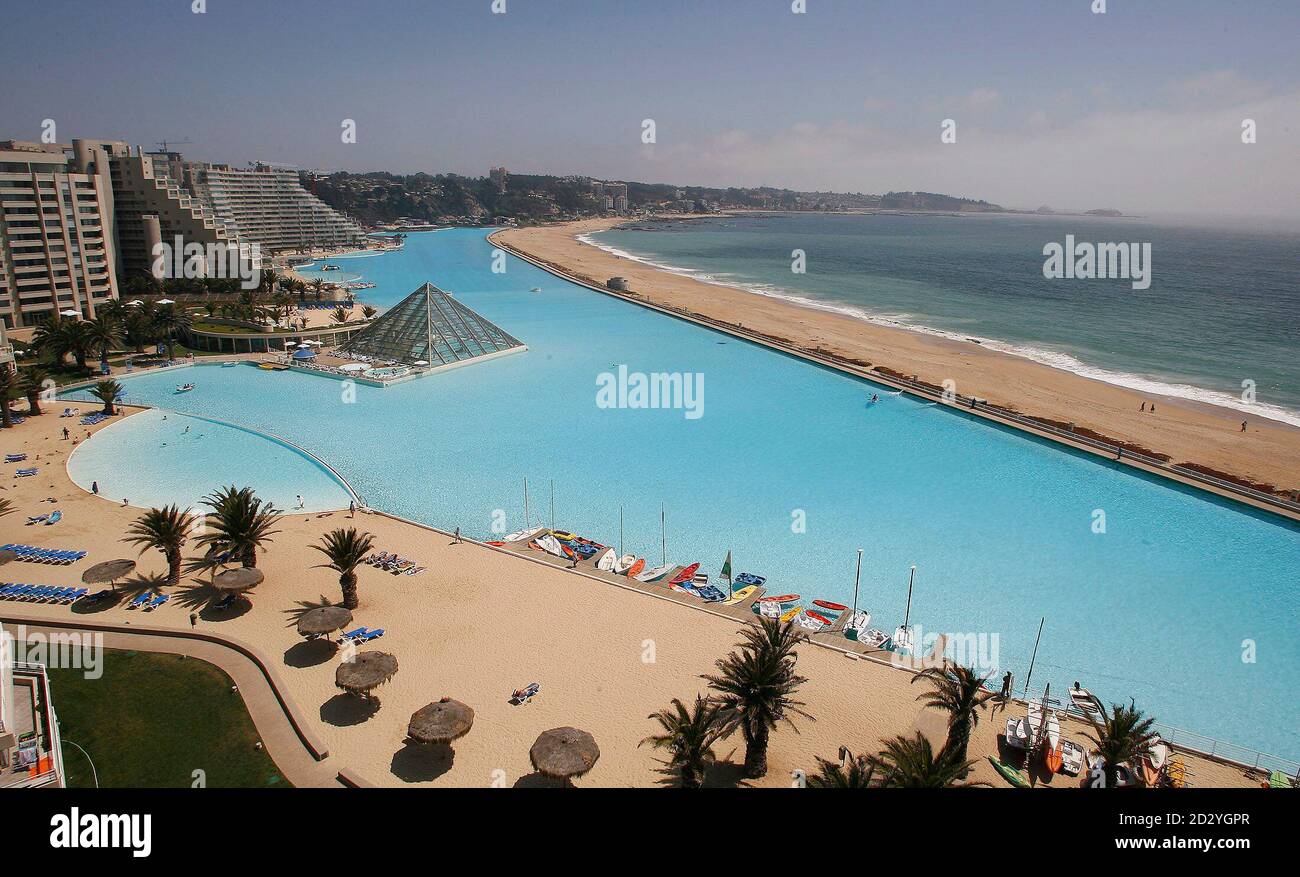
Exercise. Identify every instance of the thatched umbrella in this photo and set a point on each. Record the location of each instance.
(238, 580)
(365, 672)
(108, 571)
(564, 753)
(440, 722)
(323, 620)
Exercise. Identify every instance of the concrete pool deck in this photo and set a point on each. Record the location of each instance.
(476, 625)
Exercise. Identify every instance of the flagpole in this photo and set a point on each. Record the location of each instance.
(620, 531)
(552, 503)
(525, 502)
(908, 614)
(663, 532)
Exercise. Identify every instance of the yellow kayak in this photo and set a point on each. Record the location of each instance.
(740, 595)
(791, 615)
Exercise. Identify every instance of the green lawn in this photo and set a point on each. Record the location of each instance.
(151, 720)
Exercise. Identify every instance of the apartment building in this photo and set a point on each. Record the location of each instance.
(269, 206)
(56, 246)
(31, 752)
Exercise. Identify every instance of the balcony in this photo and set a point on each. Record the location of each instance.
(30, 748)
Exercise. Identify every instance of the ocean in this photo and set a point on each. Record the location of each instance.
(1221, 316)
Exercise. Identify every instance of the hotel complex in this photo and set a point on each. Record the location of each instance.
(76, 221)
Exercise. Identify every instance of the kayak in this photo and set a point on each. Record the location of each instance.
(1053, 758)
(524, 535)
(742, 594)
(791, 615)
(494, 544)
(634, 570)
(685, 575)
(1009, 773)
(54, 518)
(827, 604)
(817, 616)
(784, 598)
(653, 575)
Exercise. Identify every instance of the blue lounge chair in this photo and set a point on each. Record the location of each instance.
(101, 595)
(11, 590)
(369, 635)
(56, 594)
(26, 473)
(77, 594)
(140, 599)
(226, 602)
(38, 593)
(353, 634)
(157, 601)
(15, 458)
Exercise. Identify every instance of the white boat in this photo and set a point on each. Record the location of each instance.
(1085, 702)
(523, 535)
(550, 545)
(769, 610)
(1158, 755)
(657, 573)
(1017, 735)
(903, 639)
(624, 563)
(1072, 758)
(807, 621)
(858, 625)
(184, 388)
(874, 639)
(607, 560)
(1042, 720)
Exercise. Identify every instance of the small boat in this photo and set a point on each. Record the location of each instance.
(550, 545)
(535, 289)
(607, 560)
(740, 596)
(783, 598)
(711, 594)
(817, 616)
(1009, 773)
(564, 536)
(685, 575)
(903, 639)
(809, 622)
(624, 563)
(634, 571)
(229, 364)
(1016, 734)
(1053, 758)
(683, 589)
(874, 639)
(495, 544)
(184, 388)
(856, 626)
(1085, 702)
(791, 615)
(768, 610)
(1159, 754)
(827, 604)
(524, 535)
(330, 268)
(747, 578)
(1072, 758)
(54, 517)
(1041, 720)
(654, 575)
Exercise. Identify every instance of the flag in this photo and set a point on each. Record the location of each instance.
(726, 567)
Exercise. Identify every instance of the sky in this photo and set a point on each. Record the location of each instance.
(1139, 108)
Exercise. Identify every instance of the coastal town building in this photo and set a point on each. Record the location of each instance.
(498, 176)
(31, 753)
(56, 248)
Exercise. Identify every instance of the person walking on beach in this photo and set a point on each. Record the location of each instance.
(1144, 406)
(1006, 686)
(94, 487)
(352, 508)
(455, 537)
(1243, 426)
(65, 433)
(300, 502)
(1153, 408)
(194, 619)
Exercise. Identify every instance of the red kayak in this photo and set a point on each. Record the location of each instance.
(817, 616)
(685, 575)
(784, 598)
(827, 604)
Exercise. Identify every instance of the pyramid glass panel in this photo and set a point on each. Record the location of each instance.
(430, 326)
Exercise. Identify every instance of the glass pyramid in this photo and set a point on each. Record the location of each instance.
(429, 326)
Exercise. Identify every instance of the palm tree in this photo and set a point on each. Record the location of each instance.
(345, 550)
(961, 693)
(1120, 738)
(50, 339)
(240, 522)
(6, 507)
(758, 684)
(911, 763)
(853, 772)
(75, 338)
(165, 529)
(107, 392)
(34, 384)
(104, 334)
(169, 322)
(689, 735)
(10, 386)
(139, 327)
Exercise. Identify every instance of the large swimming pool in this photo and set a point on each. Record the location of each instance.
(790, 469)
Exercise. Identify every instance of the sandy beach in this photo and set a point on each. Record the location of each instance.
(478, 624)
(1268, 452)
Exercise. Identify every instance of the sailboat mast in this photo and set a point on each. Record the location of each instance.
(857, 576)
(908, 614)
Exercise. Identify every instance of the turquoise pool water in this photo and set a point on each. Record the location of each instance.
(158, 457)
(1000, 526)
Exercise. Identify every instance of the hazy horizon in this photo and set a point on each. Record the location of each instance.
(1139, 109)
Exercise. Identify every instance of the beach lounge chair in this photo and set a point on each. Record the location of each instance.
(15, 458)
(226, 602)
(26, 473)
(101, 595)
(6, 588)
(37, 519)
(140, 599)
(369, 635)
(13, 591)
(525, 694)
(75, 595)
(352, 634)
(157, 601)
